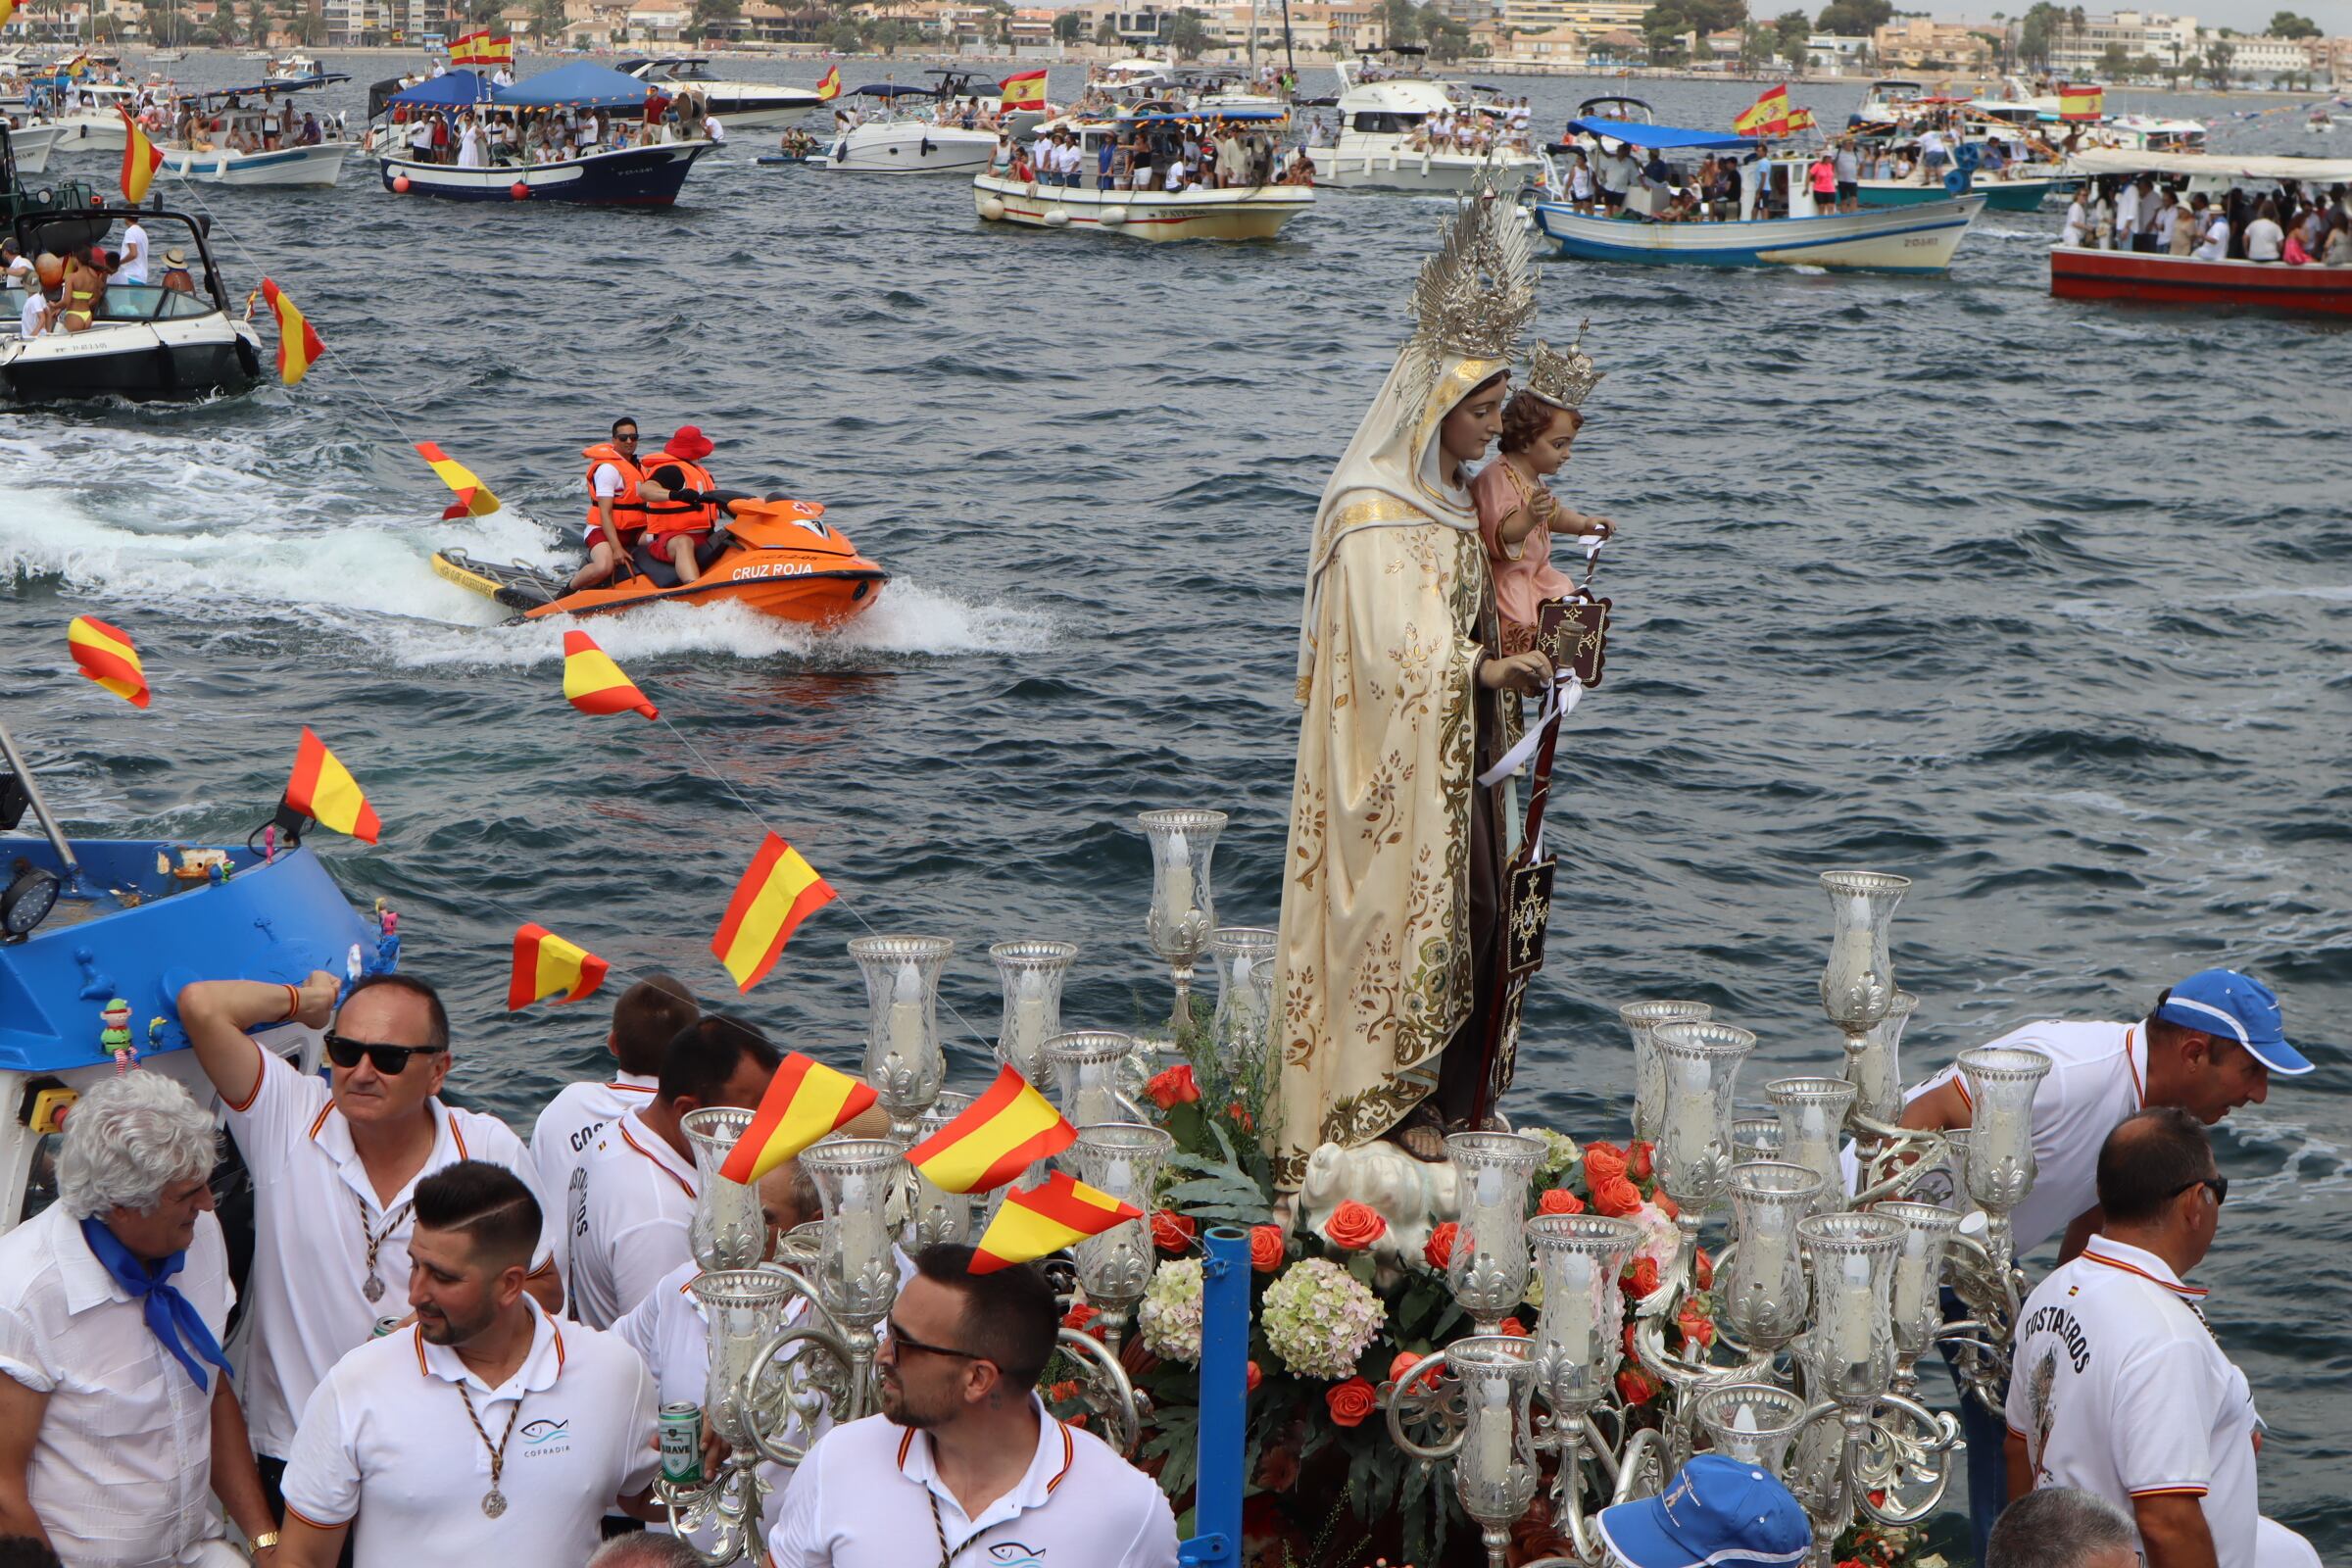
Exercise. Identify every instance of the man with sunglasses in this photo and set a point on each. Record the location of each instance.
(964, 1467)
(2118, 1386)
(336, 1164)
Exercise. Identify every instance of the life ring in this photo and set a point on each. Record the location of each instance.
(1956, 182)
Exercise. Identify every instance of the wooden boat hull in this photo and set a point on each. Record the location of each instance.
(2094, 275)
(630, 176)
(1233, 214)
(1912, 239)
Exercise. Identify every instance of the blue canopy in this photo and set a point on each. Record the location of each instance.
(259, 89)
(1662, 136)
(457, 90)
(582, 84)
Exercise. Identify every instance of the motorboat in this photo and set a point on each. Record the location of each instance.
(2321, 123)
(293, 67)
(1137, 77)
(739, 105)
(2143, 133)
(33, 143)
(1382, 139)
(1891, 101)
(1239, 213)
(957, 90)
(223, 139)
(779, 558)
(646, 174)
(89, 113)
(900, 142)
(2002, 194)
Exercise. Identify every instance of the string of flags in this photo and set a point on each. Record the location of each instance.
(547, 965)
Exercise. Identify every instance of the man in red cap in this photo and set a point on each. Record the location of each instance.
(682, 501)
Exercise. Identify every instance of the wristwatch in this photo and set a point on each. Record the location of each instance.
(263, 1542)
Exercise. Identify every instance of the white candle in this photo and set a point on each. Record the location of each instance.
(907, 1015)
(1026, 1038)
(1690, 1111)
(1911, 1280)
(863, 1241)
(1494, 1452)
(1852, 1342)
(1575, 1314)
(1764, 1255)
(1176, 902)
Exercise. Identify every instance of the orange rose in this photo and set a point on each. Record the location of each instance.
(1062, 1392)
(1255, 1378)
(1512, 1327)
(1616, 1197)
(1667, 1205)
(1405, 1363)
(1697, 1328)
(1350, 1402)
(1266, 1248)
(1354, 1226)
(1601, 1162)
(1172, 1232)
(1641, 1278)
(1079, 1316)
(1559, 1201)
(1175, 1087)
(1634, 1388)
(1439, 1247)
(1638, 1161)
(1703, 1270)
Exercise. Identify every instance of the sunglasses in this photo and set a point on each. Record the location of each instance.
(629, 438)
(2219, 1185)
(902, 1342)
(390, 1060)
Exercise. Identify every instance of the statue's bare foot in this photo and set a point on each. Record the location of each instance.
(1421, 1134)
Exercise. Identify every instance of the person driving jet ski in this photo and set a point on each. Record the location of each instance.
(682, 502)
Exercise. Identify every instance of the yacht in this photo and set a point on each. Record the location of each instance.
(1380, 143)
(902, 140)
(739, 105)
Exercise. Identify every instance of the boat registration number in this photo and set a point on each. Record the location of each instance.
(771, 569)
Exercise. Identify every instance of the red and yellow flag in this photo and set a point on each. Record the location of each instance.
(1768, 115)
(1043, 1220)
(141, 160)
(546, 964)
(831, 88)
(1800, 119)
(480, 49)
(997, 1138)
(1024, 90)
(298, 345)
(805, 1100)
(107, 656)
(474, 499)
(594, 684)
(2080, 103)
(324, 788)
(778, 893)
(8, 9)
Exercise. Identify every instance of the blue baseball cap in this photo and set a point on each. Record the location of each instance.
(2230, 1006)
(1717, 1512)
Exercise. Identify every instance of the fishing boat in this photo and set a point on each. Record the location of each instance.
(1241, 213)
(902, 141)
(1906, 239)
(225, 140)
(778, 557)
(33, 143)
(649, 174)
(739, 105)
(1382, 139)
(2018, 195)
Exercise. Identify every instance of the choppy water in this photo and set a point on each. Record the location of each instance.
(2039, 603)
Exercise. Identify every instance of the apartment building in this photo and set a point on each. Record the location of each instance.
(2081, 52)
(1912, 43)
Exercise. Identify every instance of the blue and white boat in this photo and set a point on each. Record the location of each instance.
(642, 176)
(206, 153)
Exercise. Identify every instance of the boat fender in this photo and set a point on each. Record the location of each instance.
(928, 149)
(400, 184)
(991, 208)
(519, 191)
(1057, 218)
(1113, 217)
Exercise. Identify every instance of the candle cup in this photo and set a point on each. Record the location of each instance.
(1750, 1423)
(1755, 1138)
(727, 1231)
(1578, 1258)
(743, 1308)
(1495, 1470)
(1114, 1268)
(935, 1215)
(1183, 911)
(1848, 1352)
(1701, 1066)
(1857, 984)
(2001, 1082)
(1812, 1116)
(1761, 1291)
(857, 1278)
(1914, 1302)
(1955, 1164)
(1088, 1066)
(1874, 1062)
(1649, 1076)
(1031, 972)
(1245, 1013)
(1489, 1268)
(903, 1063)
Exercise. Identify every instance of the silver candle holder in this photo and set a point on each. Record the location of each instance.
(903, 1061)
(1244, 1019)
(719, 1517)
(728, 1231)
(857, 1272)
(935, 1215)
(1122, 1160)
(1183, 909)
(1489, 1268)
(1031, 972)
(1760, 1296)
(1857, 984)
(1093, 1070)
(1812, 1115)
(1649, 1075)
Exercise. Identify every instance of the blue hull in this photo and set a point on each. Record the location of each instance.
(636, 177)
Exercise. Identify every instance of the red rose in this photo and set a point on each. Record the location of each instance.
(1703, 1270)
(1266, 1248)
(1638, 1161)
(1512, 1327)
(1559, 1201)
(1405, 1363)
(1241, 1118)
(1062, 1392)
(1256, 1377)
(1616, 1197)
(1641, 1278)
(1601, 1162)
(1350, 1402)
(1666, 1205)
(1634, 1388)
(1278, 1470)
(1354, 1226)
(1171, 1232)
(1440, 1246)
(1697, 1328)
(1627, 1336)
(1175, 1087)
(1079, 1316)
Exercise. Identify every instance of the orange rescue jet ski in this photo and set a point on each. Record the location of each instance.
(777, 556)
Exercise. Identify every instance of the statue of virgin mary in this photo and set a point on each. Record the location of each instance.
(1392, 871)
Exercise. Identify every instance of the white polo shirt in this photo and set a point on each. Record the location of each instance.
(566, 1133)
(311, 1198)
(864, 1497)
(120, 1472)
(387, 1447)
(629, 1210)
(2119, 1389)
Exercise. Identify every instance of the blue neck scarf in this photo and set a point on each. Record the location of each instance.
(169, 1317)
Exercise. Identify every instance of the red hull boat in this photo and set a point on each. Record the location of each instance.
(2089, 275)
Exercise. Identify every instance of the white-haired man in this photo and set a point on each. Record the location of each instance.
(118, 1426)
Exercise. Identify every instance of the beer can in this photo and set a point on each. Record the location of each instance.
(384, 1326)
(681, 1427)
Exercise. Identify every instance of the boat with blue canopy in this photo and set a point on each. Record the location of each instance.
(572, 134)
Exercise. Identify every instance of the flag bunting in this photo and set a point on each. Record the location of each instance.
(805, 1100)
(107, 656)
(594, 684)
(324, 788)
(778, 893)
(298, 344)
(474, 499)
(1042, 1220)
(546, 965)
(995, 1139)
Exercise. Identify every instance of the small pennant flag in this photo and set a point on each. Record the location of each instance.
(805, 1100)
(546, 965)
(8, 9)
(141, 160)
(778, 893)
(1026, 90)
(474, 499)
(997, 1138)
(107, 656)
(594, 684)
(298, 343)
(1768, 115)
(1800, 119)
(2080, 103)
(830, 88)
(324, 788)
(1043, 1220)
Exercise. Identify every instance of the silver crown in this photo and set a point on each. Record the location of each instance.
(1476, 295)
(1563, 380)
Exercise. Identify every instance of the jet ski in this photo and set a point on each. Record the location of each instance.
(777, 557)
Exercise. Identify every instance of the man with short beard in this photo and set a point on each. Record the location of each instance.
(964, 1458)
(485, 1434)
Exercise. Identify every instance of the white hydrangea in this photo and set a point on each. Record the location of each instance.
(1319, 1318)
(1559, 1154)
(1170, 1313)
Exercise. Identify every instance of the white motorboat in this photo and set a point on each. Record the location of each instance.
(739, 105)
(1234, 213)
(320, 164)
(2320, 124)
(1135, 79)
(31, 146)
(900, 143)
(90, 116)
(226, 140)
(1383, 141)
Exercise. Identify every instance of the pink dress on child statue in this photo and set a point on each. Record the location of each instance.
(1524, 576)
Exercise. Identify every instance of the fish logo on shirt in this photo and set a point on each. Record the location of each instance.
(544, 1430)
(1012, 1555)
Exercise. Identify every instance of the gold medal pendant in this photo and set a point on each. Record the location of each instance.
(493, 1502)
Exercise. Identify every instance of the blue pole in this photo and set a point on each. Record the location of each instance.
(1224, 1400)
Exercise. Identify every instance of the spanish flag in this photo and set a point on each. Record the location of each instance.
(778, 893)
(1043, 1220)
(1001, 1135)
(830, 88)
(107, 656)
(141, 160)
(2080, 103)
(324, 788)
(474, 499)
(480, 49)
(298, 346)
(805, 1100)
(546, 964)
(1026, 90)
(1800, 119)
(1768, 115)
(594, 684)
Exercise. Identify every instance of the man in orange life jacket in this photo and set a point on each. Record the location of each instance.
(682, 503)
(616, 508)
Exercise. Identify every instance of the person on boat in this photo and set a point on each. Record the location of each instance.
(2337, 249)
(2266, 241)
(85, 291)
(175, 275)
(41, 308)
(1822, 176)
(2214, 246)
(615, 504)
(2165, 223)
(17, 264)
(420, 139)
(1849, 178)
(133, 266)
(2189, 226)
(682, 502)
(1517, 514)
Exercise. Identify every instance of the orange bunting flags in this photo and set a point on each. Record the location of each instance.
(546, 965)
(805, 1100)
(1027, 90)
(141, 160)
(2080, 103)
(1768, 115)
(830, 88)
(474, 499)
(997, 1138)
(298, 345)
(1043, 1220)
(594, 684)
(324, 788)
(107, 656)
(778, 893)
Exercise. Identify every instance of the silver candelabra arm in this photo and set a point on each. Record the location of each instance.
(782, 1384)
(1890, 1462)
(1428, 1397)
(1894, 1161)
(1993, 1287)
(1108, 1388)
(1640, 1472)
(729, 1500)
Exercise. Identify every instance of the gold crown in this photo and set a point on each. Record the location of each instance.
(1564, 380)
(1476, 295)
